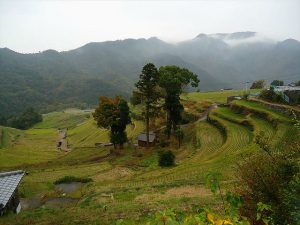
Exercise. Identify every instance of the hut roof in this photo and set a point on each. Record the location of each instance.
(9, 182)
(143, 137)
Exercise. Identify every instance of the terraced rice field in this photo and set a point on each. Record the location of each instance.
(88, 134)
(65, 119)
(213, 153)
(215, 96)
(34, 146)
(138, 185)
(227, 114)
(212, 156)
(255, 106)
(8, 136)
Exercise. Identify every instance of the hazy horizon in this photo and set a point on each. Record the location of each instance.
(33, 26)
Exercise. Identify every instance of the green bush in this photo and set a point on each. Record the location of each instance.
(164, 143)
(70, 179)
(270, 95)
(166, 159)
(273, 178)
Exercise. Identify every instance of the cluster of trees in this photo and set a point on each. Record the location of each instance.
(281, 83)
(258, 84)
(165, 83)
(271, 95)
(24, 121)
(46, 92)
(277, 83)
(113, 114)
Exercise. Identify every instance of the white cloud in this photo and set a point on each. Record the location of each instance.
(31, 26)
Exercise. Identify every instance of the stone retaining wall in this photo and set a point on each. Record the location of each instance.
(279, 108)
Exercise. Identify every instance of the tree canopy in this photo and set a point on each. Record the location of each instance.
(113, 114)
(258, 84)
(277, 83)
(173, 79)
(147, 86)
(24, 121)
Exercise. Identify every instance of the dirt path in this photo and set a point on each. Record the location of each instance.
(204, 116)
(62, 140)
(201, 118)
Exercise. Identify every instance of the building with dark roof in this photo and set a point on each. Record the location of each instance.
(9, 198)
(142, 139)
(232, 98)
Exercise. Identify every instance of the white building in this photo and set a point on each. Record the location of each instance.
(286, 88)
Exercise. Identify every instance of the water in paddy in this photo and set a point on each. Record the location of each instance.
(53, 202)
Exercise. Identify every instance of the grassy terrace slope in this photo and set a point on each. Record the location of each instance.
(31, 147)
(87, 134)
(135, 181)
(8, 136)
(65, 119)
(215, 96)
(258, 108)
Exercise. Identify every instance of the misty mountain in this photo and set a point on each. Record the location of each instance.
(52, 80)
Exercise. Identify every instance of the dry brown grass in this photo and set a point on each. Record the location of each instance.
(176, 192)
(188, 191)
(115, 173)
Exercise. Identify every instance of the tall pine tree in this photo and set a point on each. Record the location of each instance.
(147, 87)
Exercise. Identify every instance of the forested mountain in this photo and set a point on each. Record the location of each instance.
(53, 80)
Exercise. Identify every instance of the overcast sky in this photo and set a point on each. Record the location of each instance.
(32, 26)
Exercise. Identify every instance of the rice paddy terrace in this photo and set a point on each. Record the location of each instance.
(132, 185)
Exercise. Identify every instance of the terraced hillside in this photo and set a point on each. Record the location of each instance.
(132, 185)
(87, 134)
(65, 119)
(216, 96)
(8, 136)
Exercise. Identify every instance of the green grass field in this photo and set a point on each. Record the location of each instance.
(8, 136)
(131, 185)
(87, 134)
(259, 108)
(216, 96)
(32, 147)
(65, 119)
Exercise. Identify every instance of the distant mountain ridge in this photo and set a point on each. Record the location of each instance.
(53, 80)
(230, 36)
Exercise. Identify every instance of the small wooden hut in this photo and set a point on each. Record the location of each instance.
(9, 197)
(142, 139)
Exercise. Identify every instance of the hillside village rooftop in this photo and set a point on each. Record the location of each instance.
(142, 139)
(286, 88)
(9, 199)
